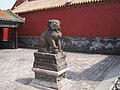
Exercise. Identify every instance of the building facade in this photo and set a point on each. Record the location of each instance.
(9, 23)
(87, 25)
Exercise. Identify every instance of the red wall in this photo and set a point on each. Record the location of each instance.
(93, 20)
(4, 34)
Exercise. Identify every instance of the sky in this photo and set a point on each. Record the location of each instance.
(6, 4)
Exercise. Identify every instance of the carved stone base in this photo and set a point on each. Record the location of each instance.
(50, 81)
(50, 70)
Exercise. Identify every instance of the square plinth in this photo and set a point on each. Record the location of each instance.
(49, 79)
(50, 70)
(54, 62)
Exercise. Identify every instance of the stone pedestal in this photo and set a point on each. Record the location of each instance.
(49, 70)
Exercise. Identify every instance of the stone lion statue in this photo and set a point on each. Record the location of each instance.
(49, 40)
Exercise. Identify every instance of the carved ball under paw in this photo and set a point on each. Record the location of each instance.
(55, 51)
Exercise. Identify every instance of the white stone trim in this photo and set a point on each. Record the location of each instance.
(49, 72)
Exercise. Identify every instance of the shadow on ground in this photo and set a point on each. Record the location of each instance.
(96, 72)
(24, 81)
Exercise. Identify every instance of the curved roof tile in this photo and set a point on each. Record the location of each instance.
(7, 15)
(36, 5)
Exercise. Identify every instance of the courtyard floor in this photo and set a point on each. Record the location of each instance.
(86, 70)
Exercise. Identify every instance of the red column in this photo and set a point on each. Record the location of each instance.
(5, 34)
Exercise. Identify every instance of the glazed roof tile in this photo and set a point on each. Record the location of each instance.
(8, 15)
(35, 5)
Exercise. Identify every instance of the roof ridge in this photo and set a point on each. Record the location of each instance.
(16, 3)
(60, 5)
(16, 15)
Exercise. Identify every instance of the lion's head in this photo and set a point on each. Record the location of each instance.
(54, 24)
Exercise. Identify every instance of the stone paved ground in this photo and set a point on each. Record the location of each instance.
(86, 70)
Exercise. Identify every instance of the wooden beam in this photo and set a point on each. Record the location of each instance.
(8, 26)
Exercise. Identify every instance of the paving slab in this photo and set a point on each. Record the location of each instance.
(86, 70)
(110, 80)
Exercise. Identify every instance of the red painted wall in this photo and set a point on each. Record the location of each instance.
(4, 34)
(93, 20)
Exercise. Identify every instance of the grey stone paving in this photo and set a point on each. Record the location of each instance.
(86, 70)
(111, 81)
